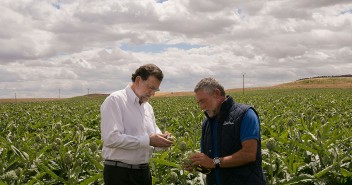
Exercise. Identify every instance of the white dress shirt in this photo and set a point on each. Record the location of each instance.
(126, 126)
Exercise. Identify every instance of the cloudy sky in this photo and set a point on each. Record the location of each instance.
(69, 48)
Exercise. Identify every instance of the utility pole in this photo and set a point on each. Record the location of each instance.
(243, 83)
(15, 98)
(59, 94)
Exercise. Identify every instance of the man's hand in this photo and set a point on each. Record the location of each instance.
(160, 140)
(168, 136)
(202, 160)
(188, 167)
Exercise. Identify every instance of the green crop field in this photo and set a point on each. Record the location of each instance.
(306, 138)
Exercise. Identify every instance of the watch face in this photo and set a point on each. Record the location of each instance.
(217, 161)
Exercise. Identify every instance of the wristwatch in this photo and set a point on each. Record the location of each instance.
(217, 162)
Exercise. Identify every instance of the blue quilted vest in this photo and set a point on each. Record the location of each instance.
(228, 132)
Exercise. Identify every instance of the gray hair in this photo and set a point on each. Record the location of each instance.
(209, 85)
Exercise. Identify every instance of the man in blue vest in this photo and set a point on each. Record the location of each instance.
(230, 142)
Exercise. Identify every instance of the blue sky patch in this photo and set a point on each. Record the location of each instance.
(346, 11)
(240, 13)
(56, 4)
(161, 1)
(157, 48)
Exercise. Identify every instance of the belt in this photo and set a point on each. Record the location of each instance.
(124, 165)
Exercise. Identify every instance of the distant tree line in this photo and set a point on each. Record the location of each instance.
(333, 76)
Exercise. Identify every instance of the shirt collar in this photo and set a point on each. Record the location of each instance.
(131, 95)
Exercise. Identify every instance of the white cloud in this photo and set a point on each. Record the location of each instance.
(77, 45)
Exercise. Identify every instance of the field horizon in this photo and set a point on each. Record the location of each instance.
(309, 83)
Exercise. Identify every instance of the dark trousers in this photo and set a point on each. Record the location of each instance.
(114, 175)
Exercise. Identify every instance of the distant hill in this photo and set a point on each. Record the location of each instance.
(93, 96)
(338, 76)
(344, 81)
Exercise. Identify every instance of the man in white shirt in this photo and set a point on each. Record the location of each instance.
(129, 131)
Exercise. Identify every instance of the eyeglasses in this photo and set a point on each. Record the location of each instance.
(150, 86)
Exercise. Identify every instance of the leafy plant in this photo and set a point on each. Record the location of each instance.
(306, 138)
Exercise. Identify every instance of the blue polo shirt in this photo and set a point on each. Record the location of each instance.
(250, 126)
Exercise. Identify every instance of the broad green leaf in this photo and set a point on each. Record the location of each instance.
(345, 172)
(36, 178)
(52, 174)
(300, 179)
(95, 162)
(305, 147)
(92, 179)
(164, 162)
(323, 172)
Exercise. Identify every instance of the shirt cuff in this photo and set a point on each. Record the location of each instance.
(144, 141)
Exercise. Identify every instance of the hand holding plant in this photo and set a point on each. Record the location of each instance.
(159, 140)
